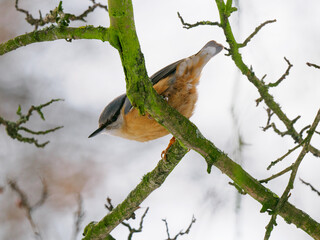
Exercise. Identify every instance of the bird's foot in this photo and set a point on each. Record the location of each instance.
(164, 152)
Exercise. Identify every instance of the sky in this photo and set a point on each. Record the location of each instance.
(88, 75)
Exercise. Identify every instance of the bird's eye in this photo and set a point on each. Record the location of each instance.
(114, 118)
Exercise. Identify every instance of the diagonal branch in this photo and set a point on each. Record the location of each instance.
(273, 163)
(312, 188)
(275, 84)
(248, 39)
(313, 65)
(149, 183)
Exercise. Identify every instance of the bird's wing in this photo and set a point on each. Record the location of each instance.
(164, 72)
(155, 78)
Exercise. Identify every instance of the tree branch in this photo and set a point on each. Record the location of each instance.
(189, 25)
(248, 39)
(295, 167)
(312, 188)
(24, 203)
(273, 163)
(313, 65)
(57, 15)
(275, 84)
(78, 217)
(149, 183)
(54, 33)
(262, 88)
(13, 128)
(181, 233)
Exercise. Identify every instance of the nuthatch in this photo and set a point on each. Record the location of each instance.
(176, 83)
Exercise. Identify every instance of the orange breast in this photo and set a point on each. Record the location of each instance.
(181, 95)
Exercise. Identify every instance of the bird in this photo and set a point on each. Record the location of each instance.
(176, 83)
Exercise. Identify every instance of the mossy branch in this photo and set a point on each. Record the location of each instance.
(57, 15)
(149, 183)
(14, 128)
(54, 33)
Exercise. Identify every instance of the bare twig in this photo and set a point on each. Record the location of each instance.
(189, 25)
(239, 189)
(78, 217)
(24, 203)
(304, 129)
(258, 101)
(312, 188)
(266, 180)
(58, 16)
(284, 156)
(133, 230)
(295, 166)
(313, 65)
(270, 114)
(275, 84)
(248, 39)
(181, 233)
(13, 128)
(274, 127)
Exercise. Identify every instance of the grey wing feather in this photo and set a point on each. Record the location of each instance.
(155, 78)
(165, 72)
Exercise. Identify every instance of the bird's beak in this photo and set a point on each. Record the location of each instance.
(96, 132)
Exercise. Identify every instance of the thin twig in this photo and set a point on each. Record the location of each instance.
(313, 65)
(24, 203)
(257, 29)
(13, 128)
(304, 129)
(133, 230)
(312, 188)
(110, 207)
(78, 217)
(239, 189)
(266, 180)
(58, 16)
(189, 25)
(274, 127)
(284, 156)
(275, 84)
(181, 233)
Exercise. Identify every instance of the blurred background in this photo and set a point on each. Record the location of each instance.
(88, 75)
